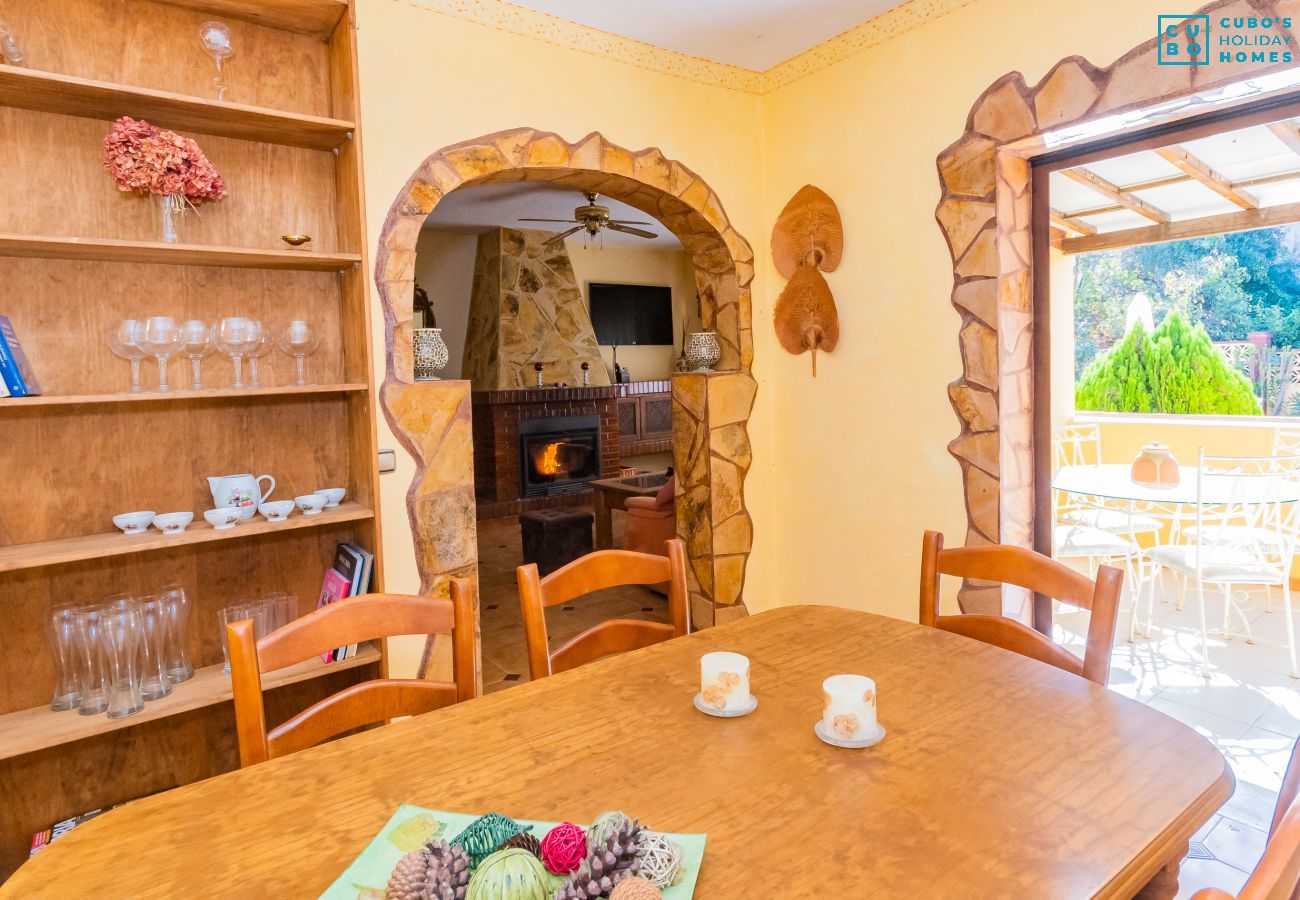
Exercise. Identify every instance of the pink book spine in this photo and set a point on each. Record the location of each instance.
(334, 587)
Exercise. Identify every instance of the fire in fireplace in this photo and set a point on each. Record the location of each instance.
(558, 455)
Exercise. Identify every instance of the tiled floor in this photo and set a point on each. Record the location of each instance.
(1249, 706)
(505, 661)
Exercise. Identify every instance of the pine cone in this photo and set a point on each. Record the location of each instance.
(605, 866)
(524, 841)
(437, 871)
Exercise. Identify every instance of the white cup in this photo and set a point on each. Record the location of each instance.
(724, 681)
(849, 707)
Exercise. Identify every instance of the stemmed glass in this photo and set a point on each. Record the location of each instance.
(215, 38)
(233, 338)
(261, 345)
(123, 341)
(162, 337)
(299, 340)
(198, 344)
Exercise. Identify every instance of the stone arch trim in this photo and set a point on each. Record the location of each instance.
(984, 214)
(710, 411)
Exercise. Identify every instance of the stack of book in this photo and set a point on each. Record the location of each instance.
(348, 577)
(16, 376)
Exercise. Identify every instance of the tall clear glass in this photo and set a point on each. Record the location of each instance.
(122, 630)
(299, 340)
(260, 344)
(62, 632)
(256, 610)
(92, 659)
(198, 344)
(154, 683)
(233, 340)
(162, 337)
(123, 340)
(177, 661)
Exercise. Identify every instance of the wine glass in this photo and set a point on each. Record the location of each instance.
(198, 344)
(260, 346)
(233, 340)
(162, 337)
(122, 340)
(299, 340)
(215, 38)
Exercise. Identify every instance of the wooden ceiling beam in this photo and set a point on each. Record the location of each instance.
(1070, 223)
(1113, 193)
(1288, 133)
(1244, 220)
(1181, 158)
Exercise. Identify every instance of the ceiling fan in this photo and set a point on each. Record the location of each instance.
(594, 218)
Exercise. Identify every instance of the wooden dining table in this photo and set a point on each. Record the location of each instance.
(999, 776)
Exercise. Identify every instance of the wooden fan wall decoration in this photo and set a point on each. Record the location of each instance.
(807, 240)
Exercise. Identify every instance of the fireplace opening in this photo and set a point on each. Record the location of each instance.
(558, 455)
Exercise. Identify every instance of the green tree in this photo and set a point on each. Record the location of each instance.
(1174, 370)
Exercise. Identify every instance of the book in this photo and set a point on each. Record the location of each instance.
(334, 587)
(15, 371)
(42, 839)
(348, 576)
(360, 582)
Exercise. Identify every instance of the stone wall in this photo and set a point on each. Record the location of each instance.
(525, 308)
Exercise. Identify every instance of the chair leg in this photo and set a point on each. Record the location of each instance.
(1290, 629)
(1182, 592)
(1205, 634)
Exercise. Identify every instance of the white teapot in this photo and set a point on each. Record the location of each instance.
(243, 491)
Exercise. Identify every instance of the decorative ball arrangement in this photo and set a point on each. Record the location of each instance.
(564, 848)
(510, 874)
(636, 888)
(437, 871)
(604, 825)
(615, 859)
(662, 863)
(524, 841)
(485, 834)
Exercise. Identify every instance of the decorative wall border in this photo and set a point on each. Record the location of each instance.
(984, 213)
(711, 411)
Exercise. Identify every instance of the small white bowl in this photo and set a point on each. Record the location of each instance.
(276, 510)
(134, 522)
(173, 523)
(222, 518)
(310, 504)
(333, 496)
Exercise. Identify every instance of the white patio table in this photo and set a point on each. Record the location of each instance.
(1112, 481)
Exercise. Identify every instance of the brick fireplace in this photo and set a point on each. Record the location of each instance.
(499, 469)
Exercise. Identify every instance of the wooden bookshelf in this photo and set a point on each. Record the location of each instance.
(63, 94)
(39, 728)
(77, 257)
(42, 246)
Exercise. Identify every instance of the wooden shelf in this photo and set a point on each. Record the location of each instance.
(178, 396)
(67, 95)
(29, 730)
(314, 17)
(99, 546)
(37, 246)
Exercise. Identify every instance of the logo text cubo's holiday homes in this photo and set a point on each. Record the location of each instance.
(1199, 40)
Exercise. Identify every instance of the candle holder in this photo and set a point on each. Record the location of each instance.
(586, 374)
(724, 686)
(849, 712)
(537, 367)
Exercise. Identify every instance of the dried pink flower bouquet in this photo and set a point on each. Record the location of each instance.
(152, 160)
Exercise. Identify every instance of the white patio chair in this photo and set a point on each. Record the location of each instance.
(1243, 537)
(1079, 444)
(1286, 441)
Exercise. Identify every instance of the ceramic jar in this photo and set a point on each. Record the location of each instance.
(702, 351)
(1155, 466)
(430, 353)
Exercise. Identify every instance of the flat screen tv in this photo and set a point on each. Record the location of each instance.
(628, 314)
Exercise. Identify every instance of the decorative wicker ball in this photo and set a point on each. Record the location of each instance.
(662, 862)
(486, 833)
(564, 848)
(510, 874)
(604, 825)
(636, 888)
(524, 841)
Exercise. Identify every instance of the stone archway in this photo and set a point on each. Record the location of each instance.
(710, 410)
(984, 213)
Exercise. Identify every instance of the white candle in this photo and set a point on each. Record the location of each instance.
(849, 707)
(724, 680)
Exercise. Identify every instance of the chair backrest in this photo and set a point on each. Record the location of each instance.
(1038, 573)
(1076, 445)
(350, 621)
(1258, 492)
(1277, 876)
(595, 572)
(1286, 441)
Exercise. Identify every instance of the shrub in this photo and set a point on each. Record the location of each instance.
(1174, 370)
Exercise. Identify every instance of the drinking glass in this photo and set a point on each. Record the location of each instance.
(123, 341)
(215, 38)
(198, 344)
(162, 337)
(260, 345)
(92, 659)
(299, 340)
(177, 661)
(62, 630)
(11, 52)
(154, 683)
(233, 340)
(122, 631)
(247, 609)
(284, 609)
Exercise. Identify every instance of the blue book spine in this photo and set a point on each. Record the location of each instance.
(13, 378)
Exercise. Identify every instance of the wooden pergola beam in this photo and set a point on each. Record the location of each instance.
(1293, 175)
(1288, 133)
(1116, 195)
(1069, 223)
(1181, 158)
(1245, 220)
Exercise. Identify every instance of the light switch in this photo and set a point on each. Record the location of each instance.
(387, 460)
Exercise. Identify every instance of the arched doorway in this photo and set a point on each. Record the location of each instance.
(710, 410)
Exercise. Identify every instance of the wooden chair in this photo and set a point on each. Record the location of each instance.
(357, 619)
(1277, 877)
(1038, 573)
(594, 572)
